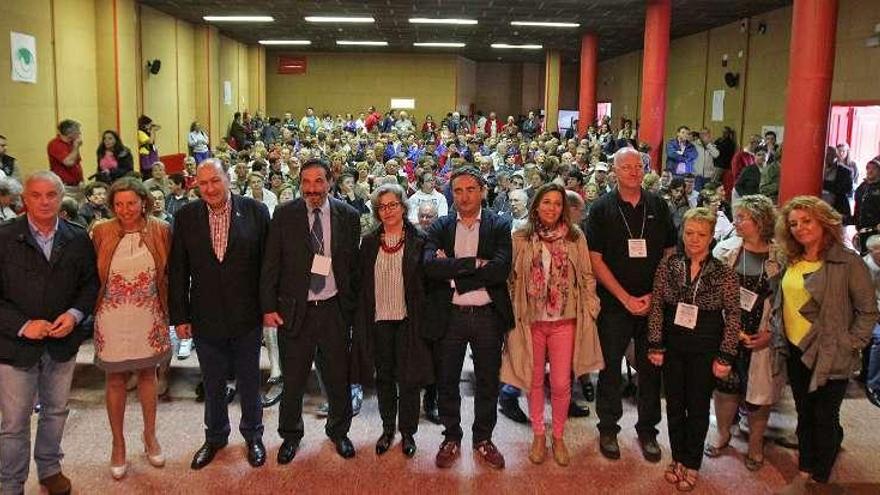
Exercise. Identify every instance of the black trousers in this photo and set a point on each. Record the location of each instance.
(616, 329)
(217, 357)
(689, 383)
(818, 428)
(324, 331)
(481, 328)
(392, 388)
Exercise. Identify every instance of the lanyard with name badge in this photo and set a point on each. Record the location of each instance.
(748, 298)
(686, 314)
(637, 247)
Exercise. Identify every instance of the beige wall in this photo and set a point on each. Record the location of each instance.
(695, 71)
(350, 82)
(28, 113)
(465, 84)
(91, 71)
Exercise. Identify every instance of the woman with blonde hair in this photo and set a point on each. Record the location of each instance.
(693, 327)
(822, 317)
(751, 381)
(131, 315)
(554, 298)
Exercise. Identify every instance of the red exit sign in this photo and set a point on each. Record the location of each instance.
(293, 65)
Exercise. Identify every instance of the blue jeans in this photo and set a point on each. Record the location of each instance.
(873, 381)
(50, 381)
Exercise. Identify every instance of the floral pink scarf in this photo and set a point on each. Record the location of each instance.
(551, 292)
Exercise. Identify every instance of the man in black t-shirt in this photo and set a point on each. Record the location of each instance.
(629, 231)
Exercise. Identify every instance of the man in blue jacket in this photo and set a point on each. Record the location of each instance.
(681, 153)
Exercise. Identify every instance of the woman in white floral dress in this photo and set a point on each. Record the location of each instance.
(131, 315)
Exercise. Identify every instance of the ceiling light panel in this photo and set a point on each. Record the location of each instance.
(428, 20)
(361, 43)
(516, 47)
(285, 42)
(439, 44)
(239, 18)
(341, 19)
(546, 24)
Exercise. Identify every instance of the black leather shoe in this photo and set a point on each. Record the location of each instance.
(433, 415)
(650, 449)
(576, 410)
(589, 391)
(510, 408)
(256, 455)
(608, 446)
(273, 395)
(384, 442)
(408, 445)
(873, 396)
(344, 447)
(205, 454)
(230, 394)
(287, 451)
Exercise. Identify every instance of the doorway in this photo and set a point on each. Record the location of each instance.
(858, 125)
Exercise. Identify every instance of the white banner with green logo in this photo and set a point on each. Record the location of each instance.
(24, 57)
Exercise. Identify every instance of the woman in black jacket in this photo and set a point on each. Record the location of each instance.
(387, 324)
(114, 159)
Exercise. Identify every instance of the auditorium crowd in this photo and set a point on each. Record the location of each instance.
(385, 252)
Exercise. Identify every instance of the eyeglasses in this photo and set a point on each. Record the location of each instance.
(389, 206)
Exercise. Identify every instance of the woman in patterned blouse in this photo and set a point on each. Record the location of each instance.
(693, 329)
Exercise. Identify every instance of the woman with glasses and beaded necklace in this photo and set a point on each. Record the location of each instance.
(389, 315)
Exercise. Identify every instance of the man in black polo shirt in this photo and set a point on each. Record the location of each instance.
(629, 230)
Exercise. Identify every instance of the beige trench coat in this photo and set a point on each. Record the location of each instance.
(517, 360)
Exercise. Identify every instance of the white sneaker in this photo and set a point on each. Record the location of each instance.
(185, 349)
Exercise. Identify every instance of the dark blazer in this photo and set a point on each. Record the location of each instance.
(33, 288)
(220, 300)
(415, 365)
(494, 246)
(287, 266)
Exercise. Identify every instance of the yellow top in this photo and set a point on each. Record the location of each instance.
(794, 296)
(143, 143)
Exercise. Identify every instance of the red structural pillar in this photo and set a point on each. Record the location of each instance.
(589, 70)
(654, 68)
(810, 70)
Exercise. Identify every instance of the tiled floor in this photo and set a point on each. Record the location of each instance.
(317, 468)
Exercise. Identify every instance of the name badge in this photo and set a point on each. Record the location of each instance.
(638, 248)
(321, 265)
(686, 315)
(747, 299)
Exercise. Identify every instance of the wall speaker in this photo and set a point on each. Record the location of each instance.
(154, 66)
(731, 79)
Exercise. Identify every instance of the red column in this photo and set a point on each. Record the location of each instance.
(811, 67)
(654, 67)
(589, 70)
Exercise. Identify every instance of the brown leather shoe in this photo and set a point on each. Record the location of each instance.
(487, 451)
(539, 449)
(448, 454)
(57, 484)
(560, 452)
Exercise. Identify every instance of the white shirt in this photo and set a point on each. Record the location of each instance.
(269, 199)
(467, 239)
(435, 197)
